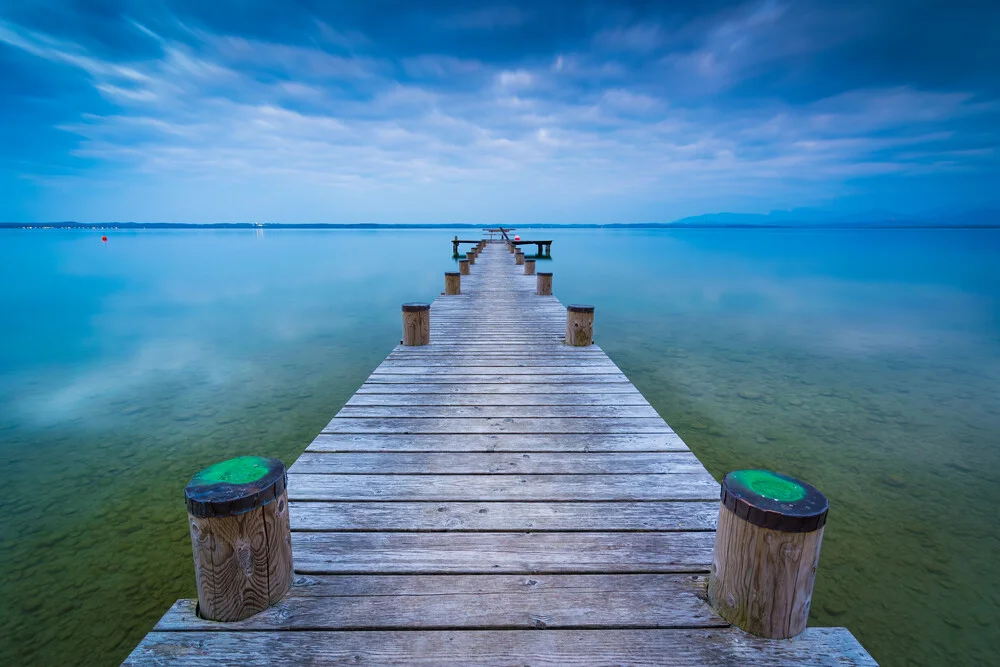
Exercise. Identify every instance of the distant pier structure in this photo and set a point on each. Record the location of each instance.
(498, 492)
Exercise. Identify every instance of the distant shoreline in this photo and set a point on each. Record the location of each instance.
(658, 225)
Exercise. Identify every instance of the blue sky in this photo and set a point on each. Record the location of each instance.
(514, 112)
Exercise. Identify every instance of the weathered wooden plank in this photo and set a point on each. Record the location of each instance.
(504, 516)
(498, 442)
(474, 602)
(602, 389)
(500, 378)
(499, 553)
(675, 486)
(498, 412)
(724, 647)
(527, 425)
(514, 400)
(450, 366)
(497, 463)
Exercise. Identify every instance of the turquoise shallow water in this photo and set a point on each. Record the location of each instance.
(866, 362)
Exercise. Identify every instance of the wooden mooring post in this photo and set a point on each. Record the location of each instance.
(240, 536)
(519, 258)
(416, 324)
(463, 267)
(543, 286)
(529, 267)
(452, 282)
(766, 552)
(579, 325)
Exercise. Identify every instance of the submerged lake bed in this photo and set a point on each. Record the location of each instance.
(865, 362)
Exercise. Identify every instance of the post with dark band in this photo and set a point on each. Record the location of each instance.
(463, 266)
(240, 536)
(579, 325)
(452, 282)
(416, 324)
(529, 267)
(766, 552)
(519, 258)
(543, 285)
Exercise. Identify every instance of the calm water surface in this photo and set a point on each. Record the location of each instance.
(865, 362)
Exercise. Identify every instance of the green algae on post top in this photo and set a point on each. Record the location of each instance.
(235, 486)
(241, 470)
(775, 501)
(770, 485)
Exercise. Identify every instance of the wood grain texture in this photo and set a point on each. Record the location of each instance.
(762, 579)
(416, 328)
(467, 386)
(498, 463)
(525, 425)
(556, 488)
(424, 411)
(498, 553)
(543, 285)
(524, 403)
(579, 328)
(476, 602)
(723, 647)
(498, 442)
(231, 565)
(279, 547)
(479, 516)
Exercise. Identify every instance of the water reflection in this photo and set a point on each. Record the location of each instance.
(864, 362)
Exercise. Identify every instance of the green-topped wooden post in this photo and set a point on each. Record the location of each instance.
(240, 535)
(766, 552)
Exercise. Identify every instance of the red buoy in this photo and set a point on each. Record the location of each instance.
(104, 238)
(517, 238)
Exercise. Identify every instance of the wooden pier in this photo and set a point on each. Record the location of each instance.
(495, 497)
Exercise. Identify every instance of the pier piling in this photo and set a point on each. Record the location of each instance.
(766, 552)
(544, 284)
(579, 325)
(416, 324)
(240, 536)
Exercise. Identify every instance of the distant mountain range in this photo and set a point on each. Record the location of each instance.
(795, 218)
(816, 218)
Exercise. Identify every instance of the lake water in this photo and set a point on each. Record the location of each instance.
(865, 362)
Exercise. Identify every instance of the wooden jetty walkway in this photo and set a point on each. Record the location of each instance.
(495, 497)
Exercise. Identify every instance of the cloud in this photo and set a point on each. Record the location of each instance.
(647, 116)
